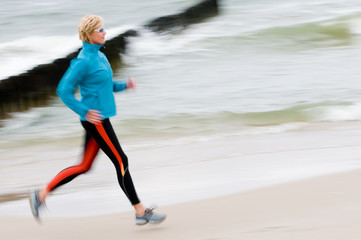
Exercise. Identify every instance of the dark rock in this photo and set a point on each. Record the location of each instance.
(176, 22)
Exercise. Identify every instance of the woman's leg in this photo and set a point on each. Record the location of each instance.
(103, 136)
(91, 149)
(107, 140)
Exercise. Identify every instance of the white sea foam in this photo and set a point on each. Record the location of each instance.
(21, 55)
(338, 113)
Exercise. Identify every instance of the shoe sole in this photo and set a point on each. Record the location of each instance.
(156, 222)
(150, 222)
(31, 201)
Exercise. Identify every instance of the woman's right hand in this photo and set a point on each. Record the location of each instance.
(131, 83)
(94, 117)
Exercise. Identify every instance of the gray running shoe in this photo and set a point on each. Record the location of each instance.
(35, 203)
(149, 217)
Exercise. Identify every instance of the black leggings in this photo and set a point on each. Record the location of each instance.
(100, 136)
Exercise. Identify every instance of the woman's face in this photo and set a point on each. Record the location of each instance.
(98, 36)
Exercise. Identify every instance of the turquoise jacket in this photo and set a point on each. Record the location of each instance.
(90, 71)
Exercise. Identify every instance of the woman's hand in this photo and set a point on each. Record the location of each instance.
(94, 117)
(131, 83)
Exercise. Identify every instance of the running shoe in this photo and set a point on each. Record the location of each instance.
(149, 217)
(35, 203)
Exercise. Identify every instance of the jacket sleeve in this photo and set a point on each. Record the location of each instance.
(119, 86)
(68, 84)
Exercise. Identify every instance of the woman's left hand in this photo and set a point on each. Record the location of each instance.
(131, 83)
(94, 117)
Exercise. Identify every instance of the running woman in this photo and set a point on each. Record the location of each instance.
(90, 71)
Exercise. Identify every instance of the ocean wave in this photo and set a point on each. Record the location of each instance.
(307, 113)
(23, 54)
(172, 128)
(329, 32)
(338, 30)
(221, 122)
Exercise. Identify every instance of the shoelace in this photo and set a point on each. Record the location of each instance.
(150, 209)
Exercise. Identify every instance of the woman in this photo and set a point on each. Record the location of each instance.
(92, 74)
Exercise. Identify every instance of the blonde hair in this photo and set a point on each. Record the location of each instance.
(87, 26)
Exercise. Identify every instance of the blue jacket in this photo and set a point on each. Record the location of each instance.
(90, 71)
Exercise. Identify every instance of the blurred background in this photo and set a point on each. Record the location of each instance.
(257, 70)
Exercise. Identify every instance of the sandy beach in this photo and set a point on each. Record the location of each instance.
(326, 207)
(318, 204)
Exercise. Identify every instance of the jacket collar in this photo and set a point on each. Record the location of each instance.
(91, 47)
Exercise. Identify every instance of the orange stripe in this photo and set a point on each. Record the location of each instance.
(103, 133)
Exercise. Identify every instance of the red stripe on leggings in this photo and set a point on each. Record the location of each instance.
(90, 153)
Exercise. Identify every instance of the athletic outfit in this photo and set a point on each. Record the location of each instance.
(92, 74)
